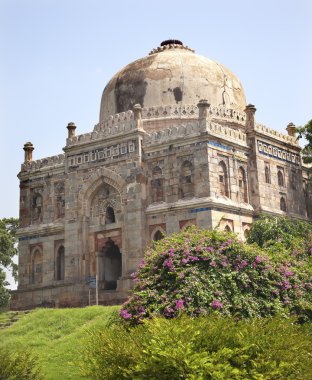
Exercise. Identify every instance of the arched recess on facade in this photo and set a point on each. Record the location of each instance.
(242, 185)
(157, 185)
(280, 178)
(186, 186)
(110, 265)
(223, 179)
(283, 204)
(227, 228)
(246, 233)
(94, 182)
(60, 263)
(109, 213)
(267, 174)
(36, 265)
(158, 234)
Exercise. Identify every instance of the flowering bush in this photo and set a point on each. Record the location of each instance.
(199, 272)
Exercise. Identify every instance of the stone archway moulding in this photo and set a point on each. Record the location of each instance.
(156, 229)
(97, 179)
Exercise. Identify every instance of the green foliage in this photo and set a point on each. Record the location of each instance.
(8, 240)
(306, 132)
(19, 365)
(8, 250)
(200, 272)
(4, 293)
(199, 348)
(268, 230)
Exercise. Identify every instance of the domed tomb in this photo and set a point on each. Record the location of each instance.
(171, 75)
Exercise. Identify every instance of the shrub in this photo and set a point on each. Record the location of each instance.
(19, 365)
(200, 348)
(199, 272)
(288, 233)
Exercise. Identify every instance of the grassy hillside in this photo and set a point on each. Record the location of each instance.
(55, 336)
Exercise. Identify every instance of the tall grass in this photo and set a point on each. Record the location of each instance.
(55, 336)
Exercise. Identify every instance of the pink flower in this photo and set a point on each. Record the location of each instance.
(286, 285)
(258, 259)
(124, 314)
(179, 304)
(216, 305)
(168, 264)
(213, 263)
(193, 258)
(288, 273)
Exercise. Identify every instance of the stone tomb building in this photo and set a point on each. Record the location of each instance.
(176, 145)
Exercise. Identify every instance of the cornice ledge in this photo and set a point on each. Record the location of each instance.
(213, 202)
(42, 229)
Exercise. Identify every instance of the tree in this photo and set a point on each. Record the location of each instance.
(8, 249)
(282, 231)
(306, 133)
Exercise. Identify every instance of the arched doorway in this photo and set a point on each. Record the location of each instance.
(111, 265)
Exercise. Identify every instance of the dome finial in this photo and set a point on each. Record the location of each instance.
(171, 44)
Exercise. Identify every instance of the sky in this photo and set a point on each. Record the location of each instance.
(58, 55)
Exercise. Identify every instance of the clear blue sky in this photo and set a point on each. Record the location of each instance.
(57, 56)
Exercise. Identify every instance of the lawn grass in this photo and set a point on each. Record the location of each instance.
(55, 336)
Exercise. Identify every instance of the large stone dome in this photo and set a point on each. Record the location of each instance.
(171, 75)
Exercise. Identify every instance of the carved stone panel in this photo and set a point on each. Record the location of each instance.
(105, 206)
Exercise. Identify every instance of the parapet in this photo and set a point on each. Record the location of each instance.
(44, 163)
(276, 134)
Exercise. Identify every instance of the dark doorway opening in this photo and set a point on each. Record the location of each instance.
(111, 265)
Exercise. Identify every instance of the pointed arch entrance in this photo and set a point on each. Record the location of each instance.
(109, 265)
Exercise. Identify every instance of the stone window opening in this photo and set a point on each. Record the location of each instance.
(283, 205)
(60, 263)
(36, 267)
(223, 179)
(186, 188)
(110, 215)
(157, 185)
(246, 233)
(267, 174)
(280, 178)
(293, 180)
(158, 235)
(37, 207)
(227, 228)
(242, 185)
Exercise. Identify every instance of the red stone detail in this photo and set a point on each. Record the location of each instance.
(153, 227)
(183, 223)
(102, 237)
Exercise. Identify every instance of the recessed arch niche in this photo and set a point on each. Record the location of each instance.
(105, 205)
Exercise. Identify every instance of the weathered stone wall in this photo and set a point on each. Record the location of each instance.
(138, 176)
